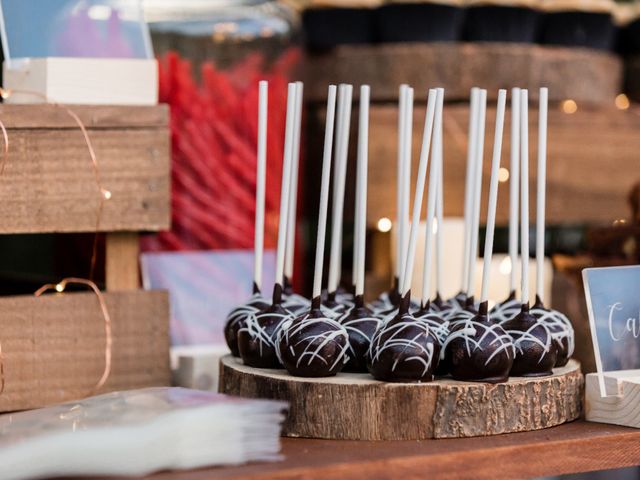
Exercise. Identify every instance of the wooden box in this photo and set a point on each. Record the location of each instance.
(54, 346)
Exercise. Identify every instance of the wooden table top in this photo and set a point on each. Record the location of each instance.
(571, 448)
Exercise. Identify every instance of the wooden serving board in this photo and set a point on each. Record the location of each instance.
(356, 407)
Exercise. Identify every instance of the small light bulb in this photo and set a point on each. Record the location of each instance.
(59, 288)
(505, 266)
(384, 225)
(503, 174)
(106, 194)
(622, 102)
(569, 106)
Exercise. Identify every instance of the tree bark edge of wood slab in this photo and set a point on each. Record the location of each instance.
(356, 407)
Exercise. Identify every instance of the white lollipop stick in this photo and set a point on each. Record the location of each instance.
(261, 174)
(524, 193)
(293, 197)
(439, 211)
(541, 194)
(493, 195)
(361, 186)
(324, 192)
(401, 214)
(286, 184)
(417, 202)
(514, 188)
(406, 165)
(339, 184)
(468, 189)
(477, 193)
(434, 175)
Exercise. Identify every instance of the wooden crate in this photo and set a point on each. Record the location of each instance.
(54, 345)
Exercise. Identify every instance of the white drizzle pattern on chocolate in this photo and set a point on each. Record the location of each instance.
(469, 331)
(439, 326)
(352, 327)
(519, 337)
(257, 331)
(395, 340)
(312, 350)
(295, 302)
(559, 326)
(505, 311)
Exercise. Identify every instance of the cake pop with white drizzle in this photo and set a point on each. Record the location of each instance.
(360, 322)
(292, 301)
(337, 300)
(510, 307)
(459, 301)
(429, 312)
(313, 344)
(257, 337)
(239, 315)
(536, 351)
(558, 324)
(479, 349)
(405, 348)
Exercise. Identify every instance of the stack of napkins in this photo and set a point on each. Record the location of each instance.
(139, 432)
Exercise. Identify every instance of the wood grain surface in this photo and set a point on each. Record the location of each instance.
(570, 448)
(49, 182)
(584, 75)
(356, 407)
(53, 346)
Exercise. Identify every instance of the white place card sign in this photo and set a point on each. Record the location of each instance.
(613, 302)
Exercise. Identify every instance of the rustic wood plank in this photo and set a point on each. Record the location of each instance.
(592, 162)
(571, 448)
(356, 407)
(49, 183)
(93, 116)
(122, 270)
(581, 74)
(54, 345)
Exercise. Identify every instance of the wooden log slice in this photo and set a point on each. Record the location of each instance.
(356, 407)
(584, 75)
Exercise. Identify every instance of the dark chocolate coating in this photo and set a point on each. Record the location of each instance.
(430, 314)
(479, 350)
(361, 325)
(458, 302)
(313, 345)
(506, 310)
(295, 303)
(239, 315)
(561, 331)
(535, 349)
(337, 308)
(404, 349)
(257, 338)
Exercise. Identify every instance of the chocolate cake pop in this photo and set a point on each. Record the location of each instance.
(313, 344)
(561, 330)
(239, 315)
(535, 351)
(292, 301)
(506, 310)
(404, 349)
(359, 322)
(479, 350)
(558, 324)
(257, 338)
